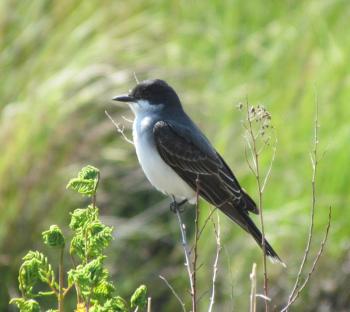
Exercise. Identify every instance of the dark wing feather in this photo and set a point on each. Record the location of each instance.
(197, 163)
(190, 159)
(178, 150)
(227, 175)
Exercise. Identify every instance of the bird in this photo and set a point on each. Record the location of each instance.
(179, 160)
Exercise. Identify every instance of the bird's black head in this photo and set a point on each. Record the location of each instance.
(155, 92)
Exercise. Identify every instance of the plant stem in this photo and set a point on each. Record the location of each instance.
(187, 254)
(260, 203)
(94, 196)
(86, 237)
(88, 304)
(65, 291)
(174, 293)
(77, 289)
(195, 256)
(313, 267)
(266, 290)
(215, 265)
(253, 289)
(60, 282)
(297, 288)
(149, 303)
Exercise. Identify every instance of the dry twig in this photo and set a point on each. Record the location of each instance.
(260, 115)
(253, 289)
(119, 129)
(215, 265)
(187, 254)
(174, 292)
(313, 267)
(135, 77)
(270, 166)
(205, 223)
(314, 162)
(195, 251)
(149, 304)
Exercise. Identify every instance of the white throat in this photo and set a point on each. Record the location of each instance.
(144, 107)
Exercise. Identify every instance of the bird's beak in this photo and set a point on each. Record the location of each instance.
(124, 98)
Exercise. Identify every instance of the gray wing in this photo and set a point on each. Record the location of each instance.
(192, 157)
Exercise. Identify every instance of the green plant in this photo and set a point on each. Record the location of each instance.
(94, 290)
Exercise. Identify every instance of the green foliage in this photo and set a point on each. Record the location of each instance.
(139, 298)
(91, 236)
(90, 277)
(35, 268)
(103, 290)
(116, 304)
(26, 305)
(87, 181)
(53, 237)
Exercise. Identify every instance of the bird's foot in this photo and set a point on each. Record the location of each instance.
(177, 206)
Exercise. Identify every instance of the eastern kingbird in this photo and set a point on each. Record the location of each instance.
(178, 159)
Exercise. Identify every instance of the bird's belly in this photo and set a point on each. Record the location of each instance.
(161, 176)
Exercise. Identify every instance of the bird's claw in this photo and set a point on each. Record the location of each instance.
(177, 207)
(173, 207)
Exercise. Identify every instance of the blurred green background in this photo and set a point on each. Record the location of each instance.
(62, 61)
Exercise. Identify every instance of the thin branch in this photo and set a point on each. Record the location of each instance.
(248, 161)
(149, 304)
(135, 77)
(215, 265)
(297, 289)
(318, 256)
(320, 251)
(252, 152)
(66, 290)
(60, 296)
(270, 166)
(185, 247)
(174, 292)
(199, 267)
(202, 295)
(20, 279)
(266, 143)
(253, 148)
(195, 250)
(53, 289)
(206, 222)
(119, 129)
(77, 289)
(94, 196)
(314, 163)
(127, 119)
(263, 297)
(253, 289)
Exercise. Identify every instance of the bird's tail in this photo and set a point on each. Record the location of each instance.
(243, 219)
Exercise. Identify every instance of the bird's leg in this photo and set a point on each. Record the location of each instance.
(176, 206)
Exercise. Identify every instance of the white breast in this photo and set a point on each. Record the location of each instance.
(161, 176)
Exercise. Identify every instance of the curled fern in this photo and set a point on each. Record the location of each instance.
(35, 268)
(53, 237)
(87, 181)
